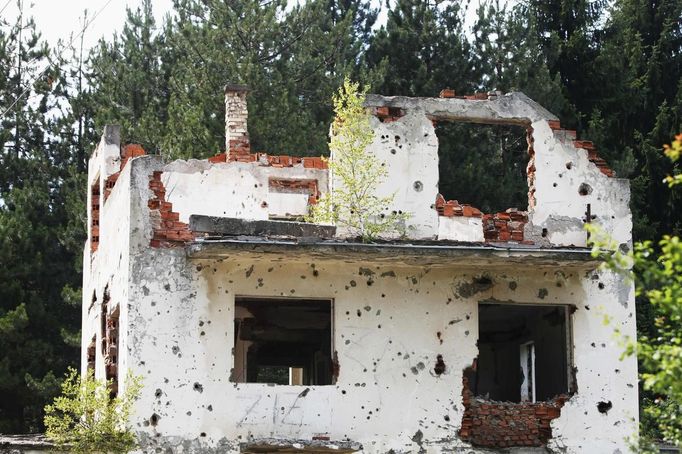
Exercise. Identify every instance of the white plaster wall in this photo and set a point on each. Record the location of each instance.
(409, 149)
(234, 189)
(109, 265)
(560, 208)
(460, 228)
(386, 325)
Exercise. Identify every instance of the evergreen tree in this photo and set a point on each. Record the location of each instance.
(37, 325)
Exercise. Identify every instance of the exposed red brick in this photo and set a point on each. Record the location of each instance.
(507, 424)
(447, 93)
(168, 230)
(94, 214)
(593, 157)
(554, 124)
(222, 157)
(388, 114)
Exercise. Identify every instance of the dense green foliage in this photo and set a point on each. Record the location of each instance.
(86, 420)
(657, 273)
(612, 70)
(354, 206)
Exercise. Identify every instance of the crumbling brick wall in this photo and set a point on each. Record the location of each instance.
(507, 424)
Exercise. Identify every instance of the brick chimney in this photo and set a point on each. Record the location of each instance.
(236, 116)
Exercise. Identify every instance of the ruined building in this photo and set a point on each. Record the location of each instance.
(256, 332)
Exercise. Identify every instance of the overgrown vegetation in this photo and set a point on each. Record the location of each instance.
(656, 269)
(611, 70)
(356, 174)
(84, 419)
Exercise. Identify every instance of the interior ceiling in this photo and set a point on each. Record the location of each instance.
(508, 317)
(288, 313)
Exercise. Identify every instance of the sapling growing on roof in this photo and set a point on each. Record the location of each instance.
(353, 203)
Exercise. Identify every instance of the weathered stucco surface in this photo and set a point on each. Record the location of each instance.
(392, 318)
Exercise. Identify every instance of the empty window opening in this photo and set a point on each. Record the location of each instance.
(483, 165)
(524, 353)
(94, 210)
(92, 354)
(283, 341)
(112, 347)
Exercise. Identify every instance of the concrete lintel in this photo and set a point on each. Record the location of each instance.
(243, 227)
(408, 254)
(512, 108)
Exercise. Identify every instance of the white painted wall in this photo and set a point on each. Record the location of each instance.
(386, 338)
(409, 149)
(560, 208)
(460, 228)
(177, 315)
(234, 189)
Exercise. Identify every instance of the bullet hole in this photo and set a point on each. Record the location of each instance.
(383, 295)
(175, 349)
(210, 408)
(158, 393)
(393, 151)
(166, 287)
(343, 391)
(353, 283)
(418, 186)
(542, 293)
(420, 365)
(316, 273)
(249, 271)
(585, 189)
(264, 204)
(359, 313)
(154, 419)
(587, 307)
(203, 434)
(198, 387)
(201, 323)
(440, 365)
(347, 312)
(203, 333)
(446, 418)
(544, 233)
(414, 370)
(569, 165)
(601, 286)
(388, 274)
(304, 392)
(199, 268)
(604, 407)
(439, 336)
(513, 285)
(554, 185)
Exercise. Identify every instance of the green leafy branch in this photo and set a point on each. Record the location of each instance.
(353, 204)
(85, 419)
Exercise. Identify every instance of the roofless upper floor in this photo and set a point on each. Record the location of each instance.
(568, 184)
